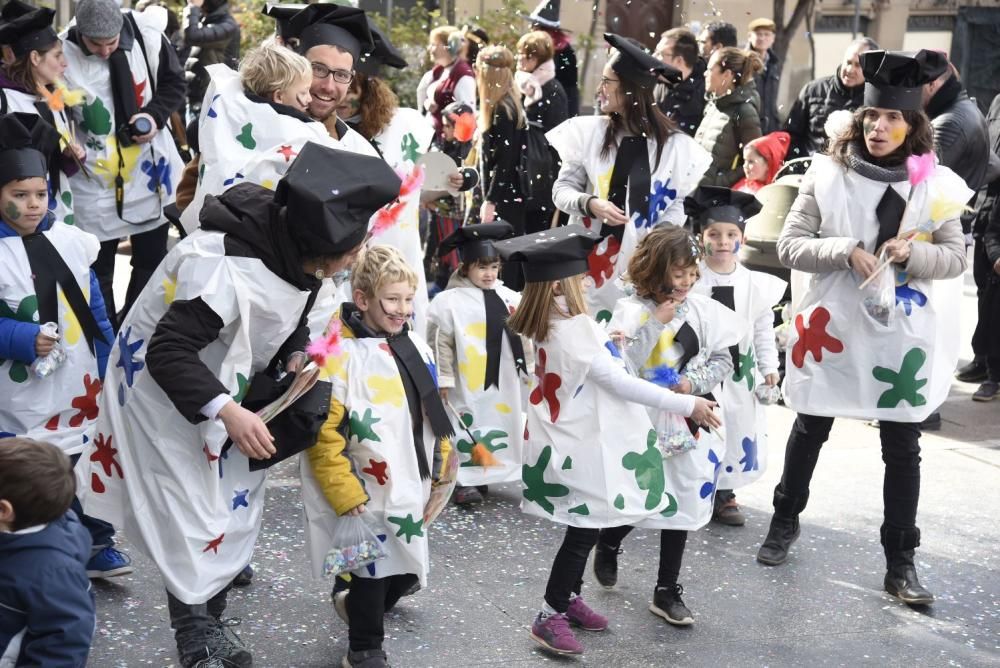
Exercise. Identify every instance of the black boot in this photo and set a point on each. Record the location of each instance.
(784, 529)
(606, 564)
(202, 640)
(901, 575)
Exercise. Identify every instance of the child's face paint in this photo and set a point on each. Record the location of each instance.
(724, 240)
(388, 309)
(885, 130)
(24, 204)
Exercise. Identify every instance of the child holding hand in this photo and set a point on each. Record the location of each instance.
(719, 217)
(591, 459)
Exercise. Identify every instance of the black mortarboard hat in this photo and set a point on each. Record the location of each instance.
(550, 254)
(31, 31)
(13, 9)
(26, 141)
(634, 64)
(333, 25)
(476, 241)
(384, 53)
(546, 14)
(282, 13)
(714, 204)
(329, 196)
(894, 79)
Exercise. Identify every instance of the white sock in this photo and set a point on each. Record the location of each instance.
(547, 610)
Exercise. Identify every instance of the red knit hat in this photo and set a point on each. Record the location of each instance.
(773, 148)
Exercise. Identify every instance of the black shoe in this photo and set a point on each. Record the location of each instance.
(483, 489)
(244, 578)
(667, 603)
(973, 372)
(726, 510)
(780, 536)
(932, 422)
(987, 391)
(467, 496)
(606, 564)
(227, 645)
(369, 658)
(901, 581)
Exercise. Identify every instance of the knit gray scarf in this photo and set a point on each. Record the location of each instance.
(872, 171)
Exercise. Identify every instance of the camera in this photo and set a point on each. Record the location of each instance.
(140, 126)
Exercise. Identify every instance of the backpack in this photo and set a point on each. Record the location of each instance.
(539, 166)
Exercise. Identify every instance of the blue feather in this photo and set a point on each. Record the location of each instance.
(663, 375)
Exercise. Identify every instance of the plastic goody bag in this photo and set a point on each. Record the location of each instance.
(879, 296)
(674, 437)
(45, 365)
(768, 394)
(356, 545)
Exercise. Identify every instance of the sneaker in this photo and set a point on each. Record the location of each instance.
(369, 658)
(973, 372)
(728, 512)
(987, 391)
(606, 564)
(580, 614)
(667, 603)
(109, 563)
(244, 578)
(340, 605)
(553, 633)
(932, 422)
(467, 496)
(228, 646)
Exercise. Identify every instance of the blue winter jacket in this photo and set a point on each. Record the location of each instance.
(46, 605)
(17, 339)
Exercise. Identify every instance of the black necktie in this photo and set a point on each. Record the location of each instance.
(629, 175)
(496, 325)
(890, 214)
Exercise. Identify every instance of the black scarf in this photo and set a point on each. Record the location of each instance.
(122, 88)
(629, 175)
(418, 384)
(496, 326)
(48, 270)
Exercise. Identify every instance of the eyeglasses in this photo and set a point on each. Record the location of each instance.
(605, 81)
(321, 71)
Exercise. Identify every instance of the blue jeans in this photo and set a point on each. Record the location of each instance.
(102, 534)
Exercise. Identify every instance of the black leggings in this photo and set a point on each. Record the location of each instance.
(672, 543)
(566, 577)
(368, 601)
(148, 250)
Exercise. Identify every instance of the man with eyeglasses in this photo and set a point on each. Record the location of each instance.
(683, 101)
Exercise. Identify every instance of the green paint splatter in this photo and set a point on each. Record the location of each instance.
(567, 464)
(242, 385)
(410, 147)
(581, 509)
(67, 199)
(603, 316)
(27, 311)
(535, 487)
(620, 502)
(11, 212)
(648, 467)
(96, 118)
(408, 527)
(489, 441)
(744, 368)
(245, 137)
(361, 427)
(905, 385)
(671, 508)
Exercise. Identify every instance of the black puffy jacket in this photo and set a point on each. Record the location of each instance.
(217, 36)
(817, 100)
(684, 102)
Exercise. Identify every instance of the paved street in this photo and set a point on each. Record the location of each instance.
(825, 607)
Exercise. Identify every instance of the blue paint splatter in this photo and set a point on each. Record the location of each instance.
(749, 461)
(229, 182)
(240, 498)
(126, 356)
(708, 488)
(211, 107)
(613, 349)
(159, 175)
(908, 296)
(661, 198)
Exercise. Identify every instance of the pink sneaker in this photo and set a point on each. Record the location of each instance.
(580, 614)
(553, 633)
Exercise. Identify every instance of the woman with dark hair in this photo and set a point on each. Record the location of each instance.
(27, 81)
(476, 39)
(640, 166)
(732, 113)
(886, 353)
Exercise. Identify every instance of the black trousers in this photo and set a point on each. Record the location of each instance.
(148, 250)
(367, 603)
(672, 543)
(900, 487)
(566, 577)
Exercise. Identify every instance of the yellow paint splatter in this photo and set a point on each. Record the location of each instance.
(71, 332)
(503, 409)
(643, 318)
(661, 351)
(474, 368)
(108, 168)
(336, 366)
(604, 183)
(267, 183)
(943, 209)
(169, 289)
(476, 330)
(386, 390)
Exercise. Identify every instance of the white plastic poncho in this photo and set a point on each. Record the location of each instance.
(681, 165)
(840, 361)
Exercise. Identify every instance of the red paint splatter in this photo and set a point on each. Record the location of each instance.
(53, 423)
(104, 454)
(377, 471)
(548, 383)
(86, 403)
(814, 338)
(139, 89)
(96, 484)
(208, 454)
(286, 152)
(214, 544)
(601, 261)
